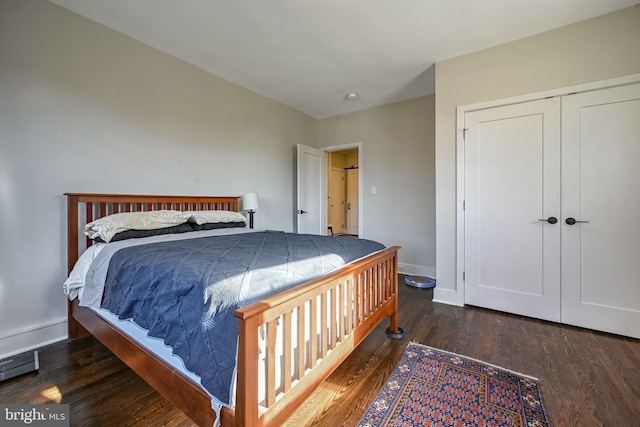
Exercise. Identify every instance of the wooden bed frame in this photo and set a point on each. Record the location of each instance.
(364, 292)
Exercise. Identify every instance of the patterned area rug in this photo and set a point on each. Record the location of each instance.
(431, 387)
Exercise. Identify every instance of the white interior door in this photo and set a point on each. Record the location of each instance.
(311, 188)
(600, 177)
(512, 184)
(353, 207)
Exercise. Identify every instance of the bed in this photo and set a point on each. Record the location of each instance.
(350, 301)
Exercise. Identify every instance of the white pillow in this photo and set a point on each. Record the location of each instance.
(110, 225)
(204, 217)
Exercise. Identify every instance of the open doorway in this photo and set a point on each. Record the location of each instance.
(313, 186)
(343, 192)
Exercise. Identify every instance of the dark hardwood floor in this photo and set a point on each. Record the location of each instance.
(587, 378)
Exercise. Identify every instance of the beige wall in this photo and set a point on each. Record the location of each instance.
(86, 109)
(398, 159)
(597, 49)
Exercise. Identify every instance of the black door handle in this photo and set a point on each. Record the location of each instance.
(571, 221)
(550, 220)
(302, 211)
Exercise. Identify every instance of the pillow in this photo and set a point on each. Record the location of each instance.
(216, 225)
(204, 217)
(135, 234)
(110, 225)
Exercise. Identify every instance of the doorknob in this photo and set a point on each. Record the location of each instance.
(571, 221)
(550, 220)
(349, 205)
(301, 211)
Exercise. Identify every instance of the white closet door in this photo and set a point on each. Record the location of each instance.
(601, 184)
(512, 181)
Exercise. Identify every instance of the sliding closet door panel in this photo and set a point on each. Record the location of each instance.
(512, 181)
(601, 175)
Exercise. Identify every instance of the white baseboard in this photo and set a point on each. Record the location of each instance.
(445, 296)
(417, 270)
(32, 337)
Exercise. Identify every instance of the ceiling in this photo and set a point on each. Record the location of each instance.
(308, 54)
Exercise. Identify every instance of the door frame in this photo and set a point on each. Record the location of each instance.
(456, 297)
(325, 179)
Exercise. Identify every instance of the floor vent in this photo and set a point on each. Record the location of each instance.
(19, 364)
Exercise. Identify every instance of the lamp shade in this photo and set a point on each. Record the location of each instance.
(250, 201)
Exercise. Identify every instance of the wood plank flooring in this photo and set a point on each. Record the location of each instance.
(587, 378)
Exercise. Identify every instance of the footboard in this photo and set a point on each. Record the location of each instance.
(299, 337)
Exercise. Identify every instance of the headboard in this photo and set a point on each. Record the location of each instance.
(94, 206)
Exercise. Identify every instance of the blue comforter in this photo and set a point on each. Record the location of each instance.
(185, 292)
